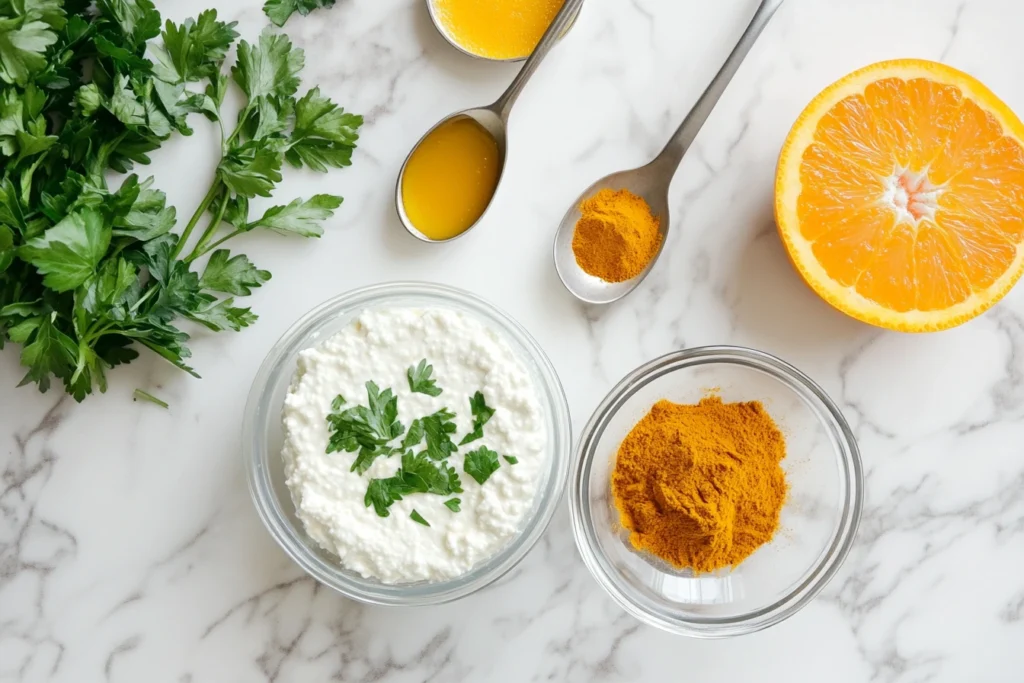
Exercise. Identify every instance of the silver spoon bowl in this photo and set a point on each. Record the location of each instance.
(653, 180)
(494, 117)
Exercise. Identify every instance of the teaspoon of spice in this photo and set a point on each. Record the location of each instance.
(650, 183)
(617, 235)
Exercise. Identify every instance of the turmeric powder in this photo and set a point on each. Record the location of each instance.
(616, 235)
(701, 486)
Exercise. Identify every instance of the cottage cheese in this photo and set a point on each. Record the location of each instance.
(467, 357)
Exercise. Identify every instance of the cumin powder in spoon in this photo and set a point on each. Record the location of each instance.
(616, 235)
(701, 486)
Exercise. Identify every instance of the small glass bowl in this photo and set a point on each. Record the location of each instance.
(818, 523)
(262, 437)
(439, 25)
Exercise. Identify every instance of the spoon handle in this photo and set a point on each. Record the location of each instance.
(691, 125)
(561, 22)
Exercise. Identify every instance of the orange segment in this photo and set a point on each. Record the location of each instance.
(900, 196)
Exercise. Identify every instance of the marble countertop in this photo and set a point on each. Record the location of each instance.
(129, 548)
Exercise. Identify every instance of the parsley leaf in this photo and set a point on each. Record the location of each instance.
(453, 504)
(511, 459)
(111, 287)
(149, 216)
(271, 68)
(367, 456)
(232, 274)
(280, 10)
(324, 135)
(382, 494)
(438, 428)
(23, 42)
(383, 412)
(419, 379)
(481, 464)
(367, 429)
(422, 475)
(68, 253)
(236, 212)
(125, 105)
(138, 19)
(414, 436)
(222, 315)
(251, 170)
(196, 48)
(6, 250)
(47, 351)
(482, 413)
(299, 217)
(418, 518)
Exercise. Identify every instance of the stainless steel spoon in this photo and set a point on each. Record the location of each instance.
(494, 117)
(653, 180)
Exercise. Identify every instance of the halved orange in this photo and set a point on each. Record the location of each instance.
(900, 196)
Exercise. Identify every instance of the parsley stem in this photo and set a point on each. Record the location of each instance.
(226, 145)
(211, 229)
(152, 290)
(203, 206)
(211, 247)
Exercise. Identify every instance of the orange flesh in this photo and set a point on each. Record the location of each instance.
(450, 178)
(911, 195)
(498, 29)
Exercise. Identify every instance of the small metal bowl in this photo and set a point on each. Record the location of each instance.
(451, 41)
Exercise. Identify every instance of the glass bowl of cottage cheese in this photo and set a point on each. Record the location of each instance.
(406, 443)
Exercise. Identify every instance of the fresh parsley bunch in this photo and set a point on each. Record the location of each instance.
(87, 271)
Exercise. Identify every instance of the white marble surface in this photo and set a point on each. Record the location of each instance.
(129, 550)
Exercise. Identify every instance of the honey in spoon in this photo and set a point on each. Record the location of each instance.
(450, 178)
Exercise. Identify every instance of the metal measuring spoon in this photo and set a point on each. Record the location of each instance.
(494, 118)
(653, 180)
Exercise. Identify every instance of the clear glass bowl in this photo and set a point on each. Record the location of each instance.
(446, 34)
(262, 436)
(819, 519)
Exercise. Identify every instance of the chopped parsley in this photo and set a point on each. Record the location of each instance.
(439, 428)
(481, 414)
(511, 459)
(362, 428)
(422, 475)
(481, 464)
(382, 494)
(415, 434)
(420, 382)
(418, 474)
(367, 456)
(372, 431)
(418, 518)
(140, 395)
